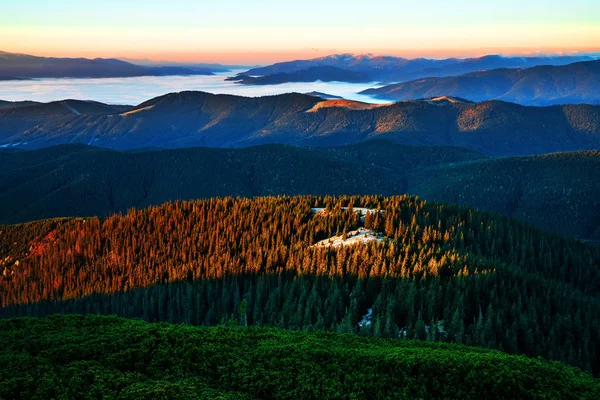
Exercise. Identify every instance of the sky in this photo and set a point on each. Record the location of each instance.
(266, 31)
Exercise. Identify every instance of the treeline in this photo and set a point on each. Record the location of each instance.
(105, 357)
(442, 273)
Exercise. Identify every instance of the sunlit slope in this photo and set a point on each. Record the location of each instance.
(435, 271)
(190, 119)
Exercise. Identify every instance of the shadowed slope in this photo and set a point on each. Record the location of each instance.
(200, 119)
(558, 192)
(543, 85)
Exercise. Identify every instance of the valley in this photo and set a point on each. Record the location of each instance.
(135, 90)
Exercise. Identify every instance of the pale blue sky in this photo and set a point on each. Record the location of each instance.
(235, 30)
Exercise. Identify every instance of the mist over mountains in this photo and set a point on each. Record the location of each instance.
(540, 81)
(398, 69)
(311, 74)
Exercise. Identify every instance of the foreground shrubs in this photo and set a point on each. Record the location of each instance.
(108, 357)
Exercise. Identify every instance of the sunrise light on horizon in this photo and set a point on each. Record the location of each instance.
(184, 30)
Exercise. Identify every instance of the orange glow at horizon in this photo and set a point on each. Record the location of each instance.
(268, 31)
(262, 57)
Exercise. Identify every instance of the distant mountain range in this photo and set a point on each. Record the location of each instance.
(543, 85)
(15, 104)
(215, 67)
(311, 74)
(22, 66)
(325, 96)
(555, 192)
(396, 69)
(201, 119)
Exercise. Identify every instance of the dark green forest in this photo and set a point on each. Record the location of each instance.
(106, 357)
(556, 192)
(438, 273)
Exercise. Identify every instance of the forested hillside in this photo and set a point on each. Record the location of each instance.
(106, 357)
(78, 180)
(556, 192)
(190, 119)
(437, 272)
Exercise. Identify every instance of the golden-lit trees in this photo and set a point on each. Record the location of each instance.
(480, 278)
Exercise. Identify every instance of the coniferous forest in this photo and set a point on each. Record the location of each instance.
(432, 272)
(203, 200)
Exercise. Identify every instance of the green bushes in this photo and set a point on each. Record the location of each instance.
(109, 357)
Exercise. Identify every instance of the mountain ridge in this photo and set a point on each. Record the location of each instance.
(540, 85)
(188, 119)
(397, 69)
(310, 74)
(24, 66)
